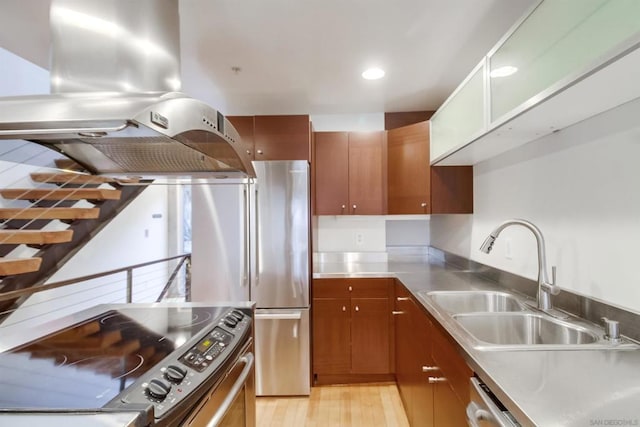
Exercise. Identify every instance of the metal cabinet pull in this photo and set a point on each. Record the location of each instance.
(430, 368)
(259, 151)
(354, 208)
(395, 313)
(402, 299)
(433, 380)
(344, 308)
(344, 207)
(350, 289)
(423, 205)
(357, 308)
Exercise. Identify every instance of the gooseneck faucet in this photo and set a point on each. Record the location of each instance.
(545, 288)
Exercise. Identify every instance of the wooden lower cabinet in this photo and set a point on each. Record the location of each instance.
(432, 377)
(352, 330)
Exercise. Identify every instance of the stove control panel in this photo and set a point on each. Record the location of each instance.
(180, 373)
(208, 349)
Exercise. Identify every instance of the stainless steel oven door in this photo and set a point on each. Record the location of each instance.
(233, 402)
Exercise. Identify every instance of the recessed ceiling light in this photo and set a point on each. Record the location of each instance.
(373, 74)
(505, 71)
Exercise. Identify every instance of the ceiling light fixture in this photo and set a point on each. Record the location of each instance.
(505, 71)
(373, 74)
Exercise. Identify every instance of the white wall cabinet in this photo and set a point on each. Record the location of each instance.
(463, 116)
(568, 60)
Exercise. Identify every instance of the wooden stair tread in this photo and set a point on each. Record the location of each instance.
(60, 194)
(49, 213)
(10, 267)
(78, 178)
(68, 164)
(35, 237)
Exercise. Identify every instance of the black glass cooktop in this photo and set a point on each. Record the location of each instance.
(88, 364)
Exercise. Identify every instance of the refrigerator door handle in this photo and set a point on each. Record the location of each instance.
(279, 316)
(257, 248)
(245, 279)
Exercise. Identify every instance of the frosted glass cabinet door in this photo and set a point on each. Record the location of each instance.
(461, 117)
(559, 40)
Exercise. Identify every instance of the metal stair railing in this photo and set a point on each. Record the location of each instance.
(176, 288)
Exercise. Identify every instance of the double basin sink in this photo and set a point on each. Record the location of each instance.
(496, 320)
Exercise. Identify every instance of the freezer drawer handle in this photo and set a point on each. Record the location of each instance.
(279, 316)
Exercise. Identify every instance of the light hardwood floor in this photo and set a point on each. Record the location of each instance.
(366, 405)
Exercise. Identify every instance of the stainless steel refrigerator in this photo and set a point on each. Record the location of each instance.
(250, 241)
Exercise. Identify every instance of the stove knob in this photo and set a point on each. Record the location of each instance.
(237, 314)
(230, 322)
(158, 389)
(175, 374)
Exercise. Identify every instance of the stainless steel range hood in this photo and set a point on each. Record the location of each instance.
(114, 110)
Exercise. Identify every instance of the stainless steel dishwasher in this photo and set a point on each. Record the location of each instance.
(485, 410)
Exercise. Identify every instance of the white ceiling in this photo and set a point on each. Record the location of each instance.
(306, 56)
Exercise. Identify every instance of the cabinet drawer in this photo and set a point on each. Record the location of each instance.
(352, 288)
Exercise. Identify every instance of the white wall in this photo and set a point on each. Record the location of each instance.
(20, 77)
(581, 186)
(363, 233)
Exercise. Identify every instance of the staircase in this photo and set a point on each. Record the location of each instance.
(56, 217)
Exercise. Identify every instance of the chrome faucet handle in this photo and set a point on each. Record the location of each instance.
(611, 329)
(551, 287)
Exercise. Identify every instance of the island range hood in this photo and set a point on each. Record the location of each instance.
(115, 107)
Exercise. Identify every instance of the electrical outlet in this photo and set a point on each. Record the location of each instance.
(359, 239)
(508, 254)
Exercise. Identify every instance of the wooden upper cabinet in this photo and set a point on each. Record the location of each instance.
(244, 126)
(366, 174)
(451, 189)
(281, 137)
(416, 188)
(349, 174)
(408, 182)
(331, 168)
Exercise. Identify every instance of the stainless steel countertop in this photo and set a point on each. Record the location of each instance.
(567, 388)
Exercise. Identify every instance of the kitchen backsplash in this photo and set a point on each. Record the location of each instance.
(368, 234)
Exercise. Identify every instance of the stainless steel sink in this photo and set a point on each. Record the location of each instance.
(531, 331)
(474, 301)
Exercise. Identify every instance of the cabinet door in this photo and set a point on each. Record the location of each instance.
(331, 165)
(408, 169)
(331, 336)
(451, 189)
(449, 411)
(370, 351)
(422, 413)
(282, 137)
(406, 355)
(366, 177)
(244, 126)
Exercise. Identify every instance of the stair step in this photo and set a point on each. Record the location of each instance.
(34, 237)
(10, 267)
(77, 178)
(48, 213)
(60, 194)
(68, 164)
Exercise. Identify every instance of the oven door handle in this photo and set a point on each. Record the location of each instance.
(248, 361)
